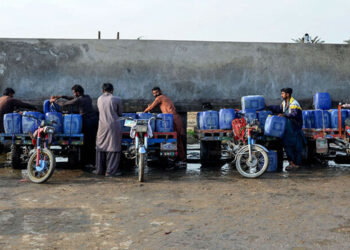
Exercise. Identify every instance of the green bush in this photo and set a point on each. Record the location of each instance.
(190, 132)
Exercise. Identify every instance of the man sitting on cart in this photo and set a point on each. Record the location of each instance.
(293, 140)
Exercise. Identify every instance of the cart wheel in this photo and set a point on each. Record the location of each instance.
(309, 153)
(342, 159)
(210, 152)
(2, 147)
(16, 152)
(126, 164)
(73, 159)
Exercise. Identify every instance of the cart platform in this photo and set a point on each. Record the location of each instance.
(57, 139)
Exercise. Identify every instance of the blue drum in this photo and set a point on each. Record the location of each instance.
(56, 119)
(165, 123)
(29, 123)
(275, 126)
(225, 118)
(13, 123)
(72, 124)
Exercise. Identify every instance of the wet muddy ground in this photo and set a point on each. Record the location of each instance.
(192, 208)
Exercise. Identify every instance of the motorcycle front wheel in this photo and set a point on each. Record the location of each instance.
(256, 166)
(142, 159)
(43, 172)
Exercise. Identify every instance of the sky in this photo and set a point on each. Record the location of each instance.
(208, 20)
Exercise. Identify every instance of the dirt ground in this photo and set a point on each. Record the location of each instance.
(193, 208)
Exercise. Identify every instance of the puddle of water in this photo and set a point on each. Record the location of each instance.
(194, 168)
(215, 171)
(61, 159)
(332, 164)
(193, 155)
(193, 146)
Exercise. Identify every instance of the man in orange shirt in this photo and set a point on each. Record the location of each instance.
(167, 107)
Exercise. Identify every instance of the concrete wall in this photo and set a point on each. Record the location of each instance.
(189, 72)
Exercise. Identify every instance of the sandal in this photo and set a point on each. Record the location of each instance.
(292, 167)
(289, 167)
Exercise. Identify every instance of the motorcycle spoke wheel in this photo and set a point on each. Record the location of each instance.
(41, 174)
(142, 164)
(258, 164)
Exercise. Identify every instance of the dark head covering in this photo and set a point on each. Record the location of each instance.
(287, 90)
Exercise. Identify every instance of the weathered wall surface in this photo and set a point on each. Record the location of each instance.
(189, 72)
